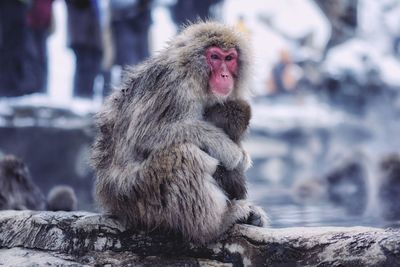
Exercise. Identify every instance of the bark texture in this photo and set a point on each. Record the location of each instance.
(32, 238)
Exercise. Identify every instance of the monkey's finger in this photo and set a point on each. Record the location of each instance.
(254, 219)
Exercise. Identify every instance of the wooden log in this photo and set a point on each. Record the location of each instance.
(33, 238)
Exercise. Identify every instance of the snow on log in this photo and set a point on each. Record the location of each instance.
(33, 238)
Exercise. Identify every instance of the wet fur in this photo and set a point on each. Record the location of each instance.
(152, 171)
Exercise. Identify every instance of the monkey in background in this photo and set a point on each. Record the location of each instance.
(62, 197)
(234, 118)
(17, 190)
(155, 154)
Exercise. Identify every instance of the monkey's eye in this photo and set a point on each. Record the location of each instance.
(228, 58)
(214, 56)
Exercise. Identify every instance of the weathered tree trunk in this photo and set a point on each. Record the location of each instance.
(29, 238)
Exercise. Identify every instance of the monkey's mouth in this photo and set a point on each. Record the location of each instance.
(222, 91)
(221, 84)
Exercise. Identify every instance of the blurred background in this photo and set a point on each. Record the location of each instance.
(325, 132)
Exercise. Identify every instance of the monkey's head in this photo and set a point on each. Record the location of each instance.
(12, 167)
(216, 56)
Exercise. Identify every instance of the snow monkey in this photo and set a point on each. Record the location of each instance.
(155, 154)
(234, 118)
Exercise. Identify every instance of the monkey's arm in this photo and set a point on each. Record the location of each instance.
(232, 182)
(214, 141)
(233, 117)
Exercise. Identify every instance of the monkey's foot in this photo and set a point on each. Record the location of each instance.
(257, 217)
(254, 219)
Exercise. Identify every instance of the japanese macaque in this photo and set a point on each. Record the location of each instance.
(155, 154)
(62, 197)
(17, 190)
(234, 118)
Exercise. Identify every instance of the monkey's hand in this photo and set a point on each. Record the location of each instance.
(213, 141)
(257, 217)
(229, 154)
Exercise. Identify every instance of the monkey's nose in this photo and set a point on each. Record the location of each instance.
(224, 75)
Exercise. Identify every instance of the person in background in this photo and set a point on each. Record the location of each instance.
(84, 38)
(185, 11)
(242, 27)
(39, 21)
(108, 48)
(130, 23)
(13, 40)
(284, 75)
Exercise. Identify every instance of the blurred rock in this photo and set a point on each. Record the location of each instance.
(85, 239)
(347, 186)
(389, 190)
(309, 191)
(285, 149)
(342, 14)
(273, 171)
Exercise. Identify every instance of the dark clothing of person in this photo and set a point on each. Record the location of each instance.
(83, 24)
(39, 15)
(37, 58)
(130, 22)
(191, 10)
(277, 74)
(39, 24)
(84, 38)
(107, 88)
(130, 42)
(14, 68)
(88, 66)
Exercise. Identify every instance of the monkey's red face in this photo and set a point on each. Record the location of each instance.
(223, 64)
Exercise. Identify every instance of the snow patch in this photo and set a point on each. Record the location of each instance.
(235, 248)
(100, 243)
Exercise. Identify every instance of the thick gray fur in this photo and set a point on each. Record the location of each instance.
(152, 168)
